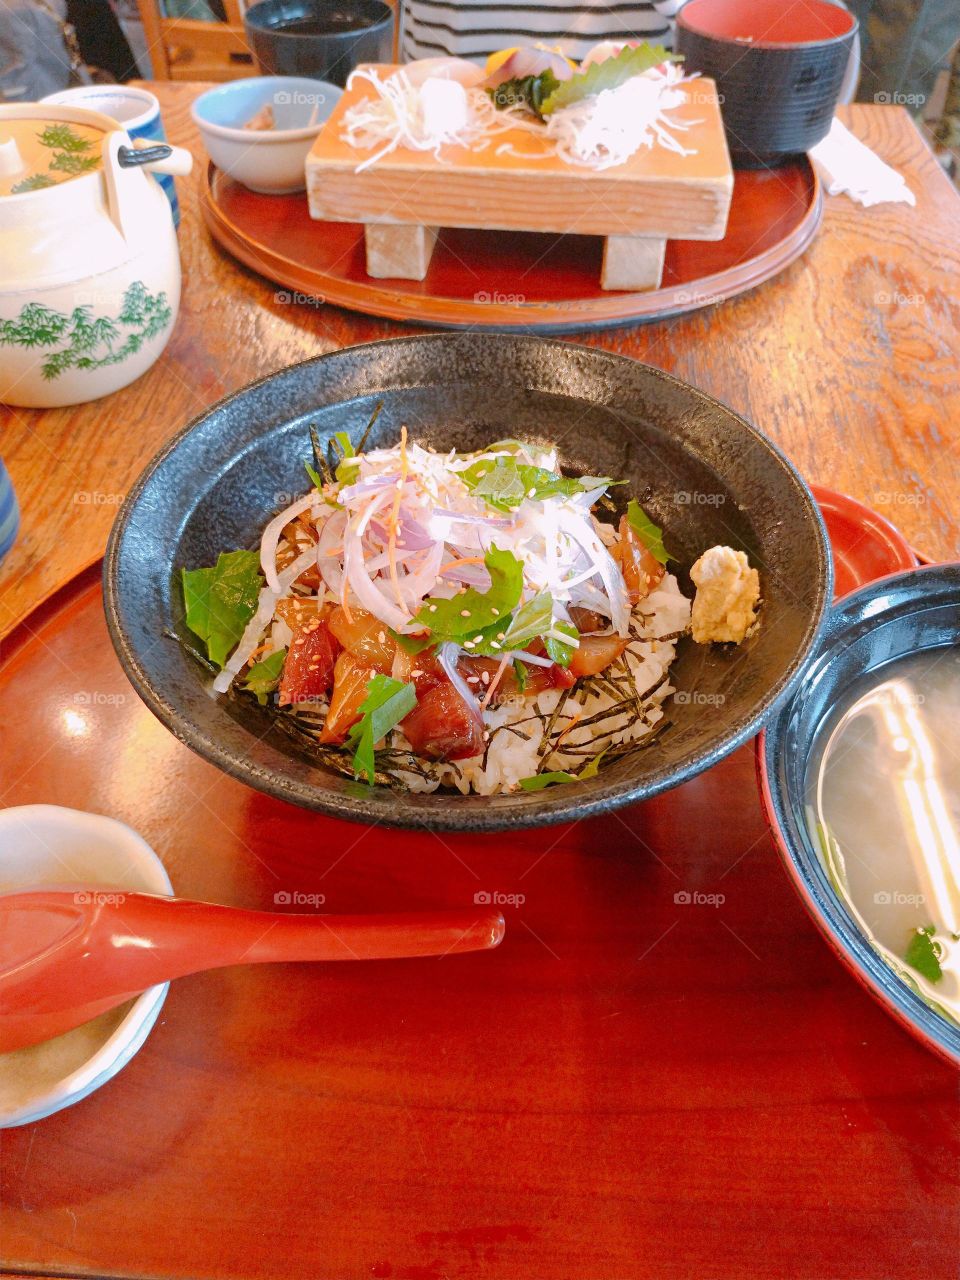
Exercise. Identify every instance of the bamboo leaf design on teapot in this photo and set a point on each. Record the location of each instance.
(61, 137)
(90, 342)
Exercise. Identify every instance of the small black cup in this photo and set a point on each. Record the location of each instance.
(778, 68)
(323, 39)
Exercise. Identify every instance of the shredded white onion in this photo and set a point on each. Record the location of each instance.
(271, 537)
(534, 659)
(415, 586)
(408, 528)
(370, 597)
(447, 655)
(266, 604)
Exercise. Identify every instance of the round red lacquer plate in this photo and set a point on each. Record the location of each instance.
(865, 546)
(517, 279)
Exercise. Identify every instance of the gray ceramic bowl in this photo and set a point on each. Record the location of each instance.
(700, 470)
(888, 619)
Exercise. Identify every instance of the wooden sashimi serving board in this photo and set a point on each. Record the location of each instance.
(518, 182)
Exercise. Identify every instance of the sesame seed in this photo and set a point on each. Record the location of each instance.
(501, 635)
(531, 493)
(485, 677)
(494, 645)
(477, 639)
(495, 612)
(464, 613)
(382, 637)
(416, 672)
(473, 679)
(433, 608)
(468, 644)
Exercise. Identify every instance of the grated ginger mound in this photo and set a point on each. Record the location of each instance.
(728, 592)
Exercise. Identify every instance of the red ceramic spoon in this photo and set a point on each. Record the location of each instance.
(66, 956)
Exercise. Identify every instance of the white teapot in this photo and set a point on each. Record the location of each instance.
(89, 261)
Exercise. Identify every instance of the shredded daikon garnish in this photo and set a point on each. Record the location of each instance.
(425, 117)
(608, 128)
(598, 132)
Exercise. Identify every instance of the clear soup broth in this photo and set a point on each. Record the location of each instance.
(50, 152)
(883, 804)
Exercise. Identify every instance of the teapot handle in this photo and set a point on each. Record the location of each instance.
(156, 157)
(127, 194)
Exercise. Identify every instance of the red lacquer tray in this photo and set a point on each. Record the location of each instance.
(662, 1072)
(510, 279)
(865, 545)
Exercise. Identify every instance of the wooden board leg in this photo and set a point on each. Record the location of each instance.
(632, 262)
(398, 253)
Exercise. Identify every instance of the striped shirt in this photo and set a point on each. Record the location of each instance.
(477, 28)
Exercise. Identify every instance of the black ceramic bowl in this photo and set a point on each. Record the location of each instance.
(213, 487)
(325, 39)
(778, 68)
(892, 618)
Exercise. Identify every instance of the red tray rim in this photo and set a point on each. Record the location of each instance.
(391, 302)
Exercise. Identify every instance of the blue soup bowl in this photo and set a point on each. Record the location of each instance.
(894, 617)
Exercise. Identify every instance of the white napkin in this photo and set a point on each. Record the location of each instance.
(845, 164)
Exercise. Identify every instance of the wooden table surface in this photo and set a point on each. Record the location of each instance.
(850, 360)
(631, 1088)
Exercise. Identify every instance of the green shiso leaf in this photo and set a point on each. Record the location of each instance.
(487, 612)
(559, 649)
(504, 482)
(535, 619)
(263, 677)
(520, 674)
(541, 780)
(348, 466)
(412, 645)
(220, 601)
(531, 620)
(592, 767)
(314, 476)
(649, 534)
(609, 74)
(560, 776)
(497, 481)
(346, 448)
(924, 953)
(386, 704)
